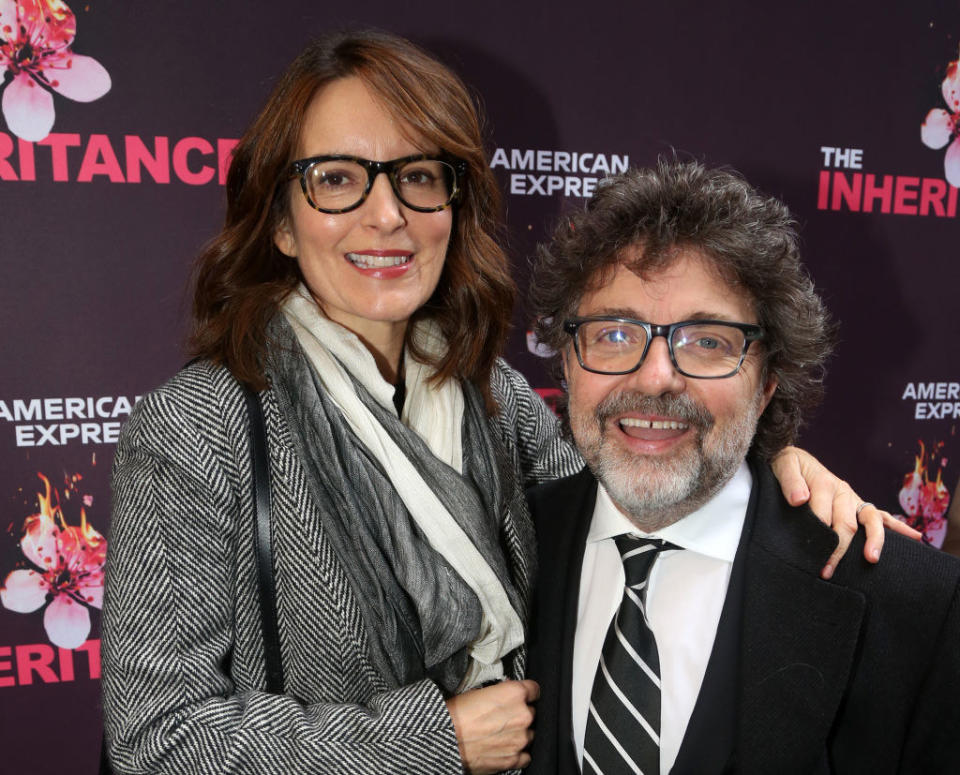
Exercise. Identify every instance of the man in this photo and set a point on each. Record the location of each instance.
(691, 341)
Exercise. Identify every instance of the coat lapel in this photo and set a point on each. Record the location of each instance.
(710, 738)
(562, 513)
(798, 640)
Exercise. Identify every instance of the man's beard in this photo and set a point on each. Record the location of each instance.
(653, 490)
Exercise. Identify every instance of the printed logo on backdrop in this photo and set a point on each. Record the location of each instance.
(56, 574)
(58, 422)
(549, 173)
(556, 173)
(36, 62)
(844, 185)
(924, 497)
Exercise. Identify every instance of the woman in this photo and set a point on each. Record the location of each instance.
(369, 310)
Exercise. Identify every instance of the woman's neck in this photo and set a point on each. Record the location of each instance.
(383, 338)
(387, 352)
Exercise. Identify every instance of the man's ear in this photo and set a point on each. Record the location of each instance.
(284, 240)
(768, 390)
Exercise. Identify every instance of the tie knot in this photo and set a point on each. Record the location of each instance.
(638, 555)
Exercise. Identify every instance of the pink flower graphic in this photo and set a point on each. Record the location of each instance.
(940, 125)
(66, 573)
(35, 55)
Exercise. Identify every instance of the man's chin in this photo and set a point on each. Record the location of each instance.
(652, 490)
(655, 490)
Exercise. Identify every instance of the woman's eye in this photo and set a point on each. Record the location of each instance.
(333, 179)
(417, 178)
(336, 175)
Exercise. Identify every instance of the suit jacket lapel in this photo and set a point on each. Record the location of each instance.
(709, 741)
(568, 757)
(562, 513)
(798, 640)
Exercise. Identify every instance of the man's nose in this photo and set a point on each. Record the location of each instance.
(657, 374)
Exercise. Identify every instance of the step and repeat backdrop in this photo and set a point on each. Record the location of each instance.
(118, 121)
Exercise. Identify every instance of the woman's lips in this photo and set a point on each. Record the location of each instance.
(379, 259)
(381, 264)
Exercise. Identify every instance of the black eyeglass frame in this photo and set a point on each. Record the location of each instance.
(300, 167)
(751, 333)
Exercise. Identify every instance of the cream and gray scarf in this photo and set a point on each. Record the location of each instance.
(413, 505)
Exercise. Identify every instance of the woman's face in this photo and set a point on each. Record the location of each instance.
(371, 268)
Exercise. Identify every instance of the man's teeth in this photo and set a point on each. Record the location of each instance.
(365, 261)
(672, 425)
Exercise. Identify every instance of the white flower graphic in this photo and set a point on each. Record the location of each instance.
(35, 55)
(941, 125)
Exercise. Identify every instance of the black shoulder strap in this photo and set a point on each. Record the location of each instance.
(260, 488)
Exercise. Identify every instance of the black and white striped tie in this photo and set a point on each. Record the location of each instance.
(623, 726)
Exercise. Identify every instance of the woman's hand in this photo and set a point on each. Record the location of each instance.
(493, 725)
(804, 479)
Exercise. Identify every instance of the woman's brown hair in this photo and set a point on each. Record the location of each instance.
(241, 277)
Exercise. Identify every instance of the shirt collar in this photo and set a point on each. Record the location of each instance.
(713, 529)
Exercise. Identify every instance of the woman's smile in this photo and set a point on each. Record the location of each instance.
(381, 264)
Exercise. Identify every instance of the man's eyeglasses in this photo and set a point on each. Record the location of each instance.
(339, 184)
(704, 349)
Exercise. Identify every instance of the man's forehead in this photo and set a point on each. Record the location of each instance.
(678, 274)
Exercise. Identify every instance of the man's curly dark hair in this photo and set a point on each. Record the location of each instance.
(750, 238)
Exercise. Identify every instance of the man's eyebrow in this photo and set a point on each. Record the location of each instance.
(704, 315)
(626, 312)
(615, 312)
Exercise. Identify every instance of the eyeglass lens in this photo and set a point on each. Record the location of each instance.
(700, 349)
(339, 184)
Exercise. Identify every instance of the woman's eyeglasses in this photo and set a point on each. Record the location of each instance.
(339, 184)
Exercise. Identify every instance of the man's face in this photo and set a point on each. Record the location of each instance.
(662, 443)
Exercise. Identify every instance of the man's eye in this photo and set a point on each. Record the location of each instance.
(614, 336)
(707, 343)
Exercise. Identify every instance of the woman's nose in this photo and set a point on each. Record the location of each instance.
(382, 209)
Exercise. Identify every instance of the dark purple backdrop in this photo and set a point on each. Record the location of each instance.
(93, 305)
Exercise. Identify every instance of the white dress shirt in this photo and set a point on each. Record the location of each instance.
(685, 596)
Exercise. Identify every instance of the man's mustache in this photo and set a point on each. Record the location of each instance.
(678, 407)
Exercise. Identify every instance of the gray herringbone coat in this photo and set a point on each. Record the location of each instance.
(183, 664)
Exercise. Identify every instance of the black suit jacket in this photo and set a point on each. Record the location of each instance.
(859, 674)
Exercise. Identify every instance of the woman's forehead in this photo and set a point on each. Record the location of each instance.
(346, 116)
